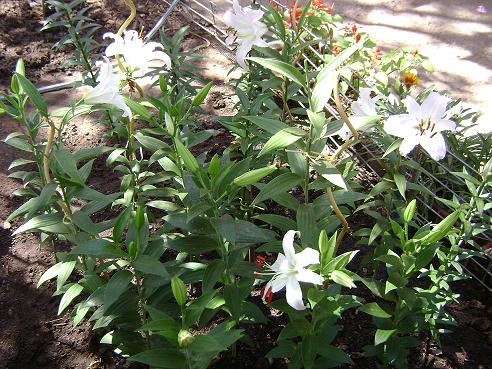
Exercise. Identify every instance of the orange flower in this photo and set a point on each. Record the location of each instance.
(292, 15)
(377, 54)
(336, 50)
(415, 51)
(410, 79)
(357, 37)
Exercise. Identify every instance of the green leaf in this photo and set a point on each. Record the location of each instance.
(342, 279)
(374, 309)
(401, 183)
(63, 274)
(161, 358)
(33, 205)
(68, 165)
(99, 248)
(278, 221)
(188, 159)
(212, 274)
(329, 172)
(284, 69)
(52, 223)
(326, 247)
(179, 290)
(151, 143)
(267, 124)
(201, 95)
(33, 93)
(148, 264)
(164, 326)
(281, 139)
(254, 176)
(322, 91)
(204, 343)
(73, 291)
(442, 229)
(117, 285)
(382, 335)
(52, 272)
(139, 109)
(282, 183)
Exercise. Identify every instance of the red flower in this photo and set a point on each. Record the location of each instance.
(320, 4)
(260, 261)
(266, 296)
(296, 16)
(357, 37)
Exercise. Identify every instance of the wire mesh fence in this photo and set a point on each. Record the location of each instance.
(444, 180)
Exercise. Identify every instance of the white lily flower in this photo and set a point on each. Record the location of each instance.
(289, 270)
(364, 108)
(137, 53)
(422, 125)
(249, 30)
(107, 90)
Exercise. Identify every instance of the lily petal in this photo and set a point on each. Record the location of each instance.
(308, 276)
(413, 107)
(288, 246)
(408, 144)
(444, 125)
(401, 125)
(277, 266)
(243, 49)
(307, 257)
(294, 294)
(434, 106)
(435, 146)
(279, 282)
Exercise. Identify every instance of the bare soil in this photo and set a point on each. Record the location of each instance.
(33, 336)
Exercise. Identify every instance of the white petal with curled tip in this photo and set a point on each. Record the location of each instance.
(435, 146)
(243, 49)
(308, 276)
(294, 294)
(408, 144)
(444, 125)
(413, 107)
(288, 246)
(434, 106)
(279, 263)
(306, 257)
(401, 125)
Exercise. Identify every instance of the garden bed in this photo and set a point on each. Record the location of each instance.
(33, 336)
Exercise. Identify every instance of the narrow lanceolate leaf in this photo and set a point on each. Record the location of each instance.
(254, 176)
(322, 91)
(99, 248)
(326, 247)
(382, 335)
(270, 125)
(374, 309)
(284, 69)
(33, 205)
(212, 274)
(68, 297)
(188, 159)
(161, 358)
(31, 91)
(118, 284)
(401, 183)
(201, 95)
(281, 139)
(46, 222)
(51, 273)
(442, 229)
(150, 265)
(284, 182)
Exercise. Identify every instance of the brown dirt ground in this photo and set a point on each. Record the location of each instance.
(33, 336)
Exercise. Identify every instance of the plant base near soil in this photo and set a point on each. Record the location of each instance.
(33, 336)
